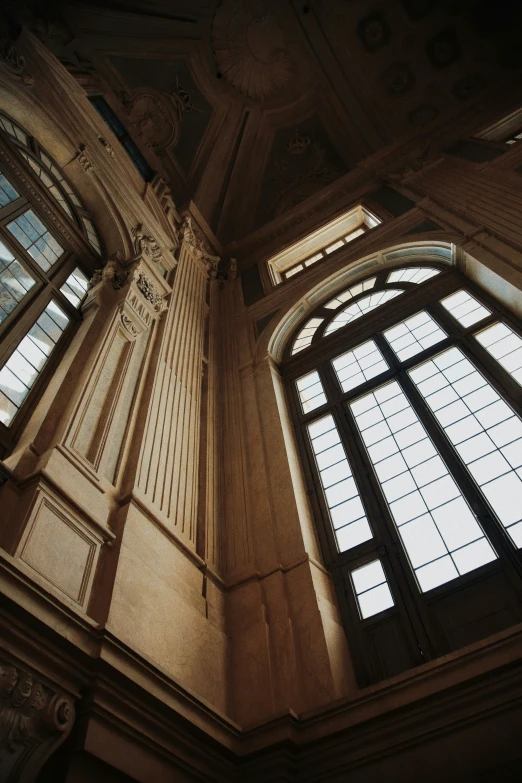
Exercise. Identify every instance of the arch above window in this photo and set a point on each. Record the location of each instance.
(358, 300)
(52, 177)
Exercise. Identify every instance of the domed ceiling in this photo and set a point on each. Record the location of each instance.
(252, 106)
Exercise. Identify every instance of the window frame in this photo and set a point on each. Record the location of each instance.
(413, 609)
(69, 232)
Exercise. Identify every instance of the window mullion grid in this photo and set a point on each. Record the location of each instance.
(405, 589)
(315, 490)
(493, 531)
(493, 371)
(451, 325)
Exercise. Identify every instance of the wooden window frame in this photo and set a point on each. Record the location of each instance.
(418, 624)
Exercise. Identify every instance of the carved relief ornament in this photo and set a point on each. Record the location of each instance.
(146, 245)
(149, 290)
(34, 721)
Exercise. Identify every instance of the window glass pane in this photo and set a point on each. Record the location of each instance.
(15, 282)
(342, 497)
(412, 274)
(75, 287)
(311, 392)
(414, 335)
(354, 234)
(23, 367)
(7, 193)
(354, 290)
(293, 271)
(313, 259)
(505, 346)
(465, 308)
(371, 589)
(49, 183)
(13, 130)
(361, 307)
(34, 237)
(433, 518)
(357, 366)
(484, 430)
(305, 336)
(92, 235)
(335, 246)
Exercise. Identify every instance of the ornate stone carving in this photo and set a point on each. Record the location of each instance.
(146, 245)
(150, 291)
(10, 58)
(157, 116)
(109, 272)
(250, 47)
(106, 145)
(398, 78)
(129, 326)
(34, 720)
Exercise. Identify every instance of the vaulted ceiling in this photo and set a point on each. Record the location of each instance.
(252, 106)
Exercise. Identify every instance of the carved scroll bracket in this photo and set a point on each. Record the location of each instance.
(198, 246)
(34, 721)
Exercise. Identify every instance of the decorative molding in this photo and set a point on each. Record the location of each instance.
(83, 158)
(420, 160)
(34, 721)
(129, 326)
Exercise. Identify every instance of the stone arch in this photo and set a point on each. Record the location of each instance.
(25, 109)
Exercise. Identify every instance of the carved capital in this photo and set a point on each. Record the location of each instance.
(111, 272)
(34, 721)
(199, 247)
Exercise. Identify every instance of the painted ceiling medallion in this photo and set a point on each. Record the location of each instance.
(250, 47)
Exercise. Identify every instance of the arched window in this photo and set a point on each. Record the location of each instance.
(406, 394)
(43, 280)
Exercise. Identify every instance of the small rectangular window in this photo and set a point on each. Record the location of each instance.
(414, 335)
(342, 497)
(360, 365)
(15, 282)
(21, 371)
(29, 230)
(484, 430)
(505, 346)
(371, 589)
(423, 498)
(465, 308)
(75, 287)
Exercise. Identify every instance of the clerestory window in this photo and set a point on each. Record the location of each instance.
(406, 393)
(42, 280)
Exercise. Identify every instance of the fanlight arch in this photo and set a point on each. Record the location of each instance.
(425, 255)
